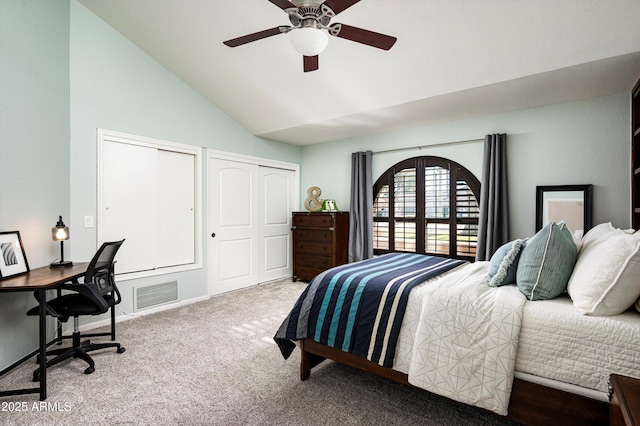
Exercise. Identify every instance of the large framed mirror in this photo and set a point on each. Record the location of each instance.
(569, 203)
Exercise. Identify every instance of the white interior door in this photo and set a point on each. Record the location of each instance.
(233, 224)
(276, 193)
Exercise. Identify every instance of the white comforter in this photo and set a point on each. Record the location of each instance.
(459, 338)
(558, 343)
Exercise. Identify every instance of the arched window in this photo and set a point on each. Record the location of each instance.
(426, 205)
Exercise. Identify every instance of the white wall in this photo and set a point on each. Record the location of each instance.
(584, 142)
(65, 73)
(34, 148)
(116, 86)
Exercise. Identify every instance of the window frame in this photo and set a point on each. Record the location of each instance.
(456, 173)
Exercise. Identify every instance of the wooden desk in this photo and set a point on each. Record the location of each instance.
(40, 280)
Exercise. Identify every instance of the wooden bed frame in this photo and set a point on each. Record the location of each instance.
(530, 403)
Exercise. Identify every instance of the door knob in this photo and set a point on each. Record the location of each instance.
(213, 235)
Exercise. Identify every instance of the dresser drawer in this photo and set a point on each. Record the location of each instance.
(319, 248)
(313, 221)
(313, 261)
(312, 235)
(306, 273)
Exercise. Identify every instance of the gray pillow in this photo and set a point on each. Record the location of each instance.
(504, 264)
(546, 263)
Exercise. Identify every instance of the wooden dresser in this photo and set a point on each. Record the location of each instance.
(624, 394)
(635, 156)
(319, 242)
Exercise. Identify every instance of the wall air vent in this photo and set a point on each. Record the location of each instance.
(155, 295)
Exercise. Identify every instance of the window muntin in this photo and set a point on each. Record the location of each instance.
(381, 209)
(436, 191)
(404, 193)
(419, 215)
(467, 213)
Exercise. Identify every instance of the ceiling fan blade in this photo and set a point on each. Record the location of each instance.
(310, 63)
(255, 36)
(338, 6)
(370, 38)
(283, 4)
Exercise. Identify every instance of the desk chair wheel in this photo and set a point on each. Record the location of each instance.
(89, 370)
(120, 350)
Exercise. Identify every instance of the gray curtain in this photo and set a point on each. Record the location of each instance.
(493, 229)
(361, 213)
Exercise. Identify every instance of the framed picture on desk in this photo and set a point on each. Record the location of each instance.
(13, 261)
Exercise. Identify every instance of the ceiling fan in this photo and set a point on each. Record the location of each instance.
(309, 19)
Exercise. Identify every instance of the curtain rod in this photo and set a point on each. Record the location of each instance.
(428, 146)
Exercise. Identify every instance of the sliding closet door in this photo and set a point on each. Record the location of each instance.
(148, 195)
(127, 206)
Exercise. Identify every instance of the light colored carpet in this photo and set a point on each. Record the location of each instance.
(215, 363)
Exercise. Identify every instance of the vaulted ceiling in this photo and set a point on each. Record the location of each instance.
(453, 59)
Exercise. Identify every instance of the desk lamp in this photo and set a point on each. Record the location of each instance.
(60, 233)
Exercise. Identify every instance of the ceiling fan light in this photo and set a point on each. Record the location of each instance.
(309, 41)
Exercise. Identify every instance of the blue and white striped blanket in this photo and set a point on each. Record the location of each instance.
(359, 307)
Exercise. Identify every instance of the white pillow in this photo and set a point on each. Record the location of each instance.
(606, 277)
(602, 231)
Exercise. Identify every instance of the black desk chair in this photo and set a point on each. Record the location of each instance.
(96, 295)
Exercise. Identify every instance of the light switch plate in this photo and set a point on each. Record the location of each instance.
(88, 221)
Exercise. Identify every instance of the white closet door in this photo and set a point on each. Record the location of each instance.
(275, 223)
(233, 214)
(176, 209)
(129, 204)
(148, 198)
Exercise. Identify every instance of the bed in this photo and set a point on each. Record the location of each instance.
(536, 355)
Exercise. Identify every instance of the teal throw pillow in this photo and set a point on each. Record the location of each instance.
(504, 264)
(546, 263)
